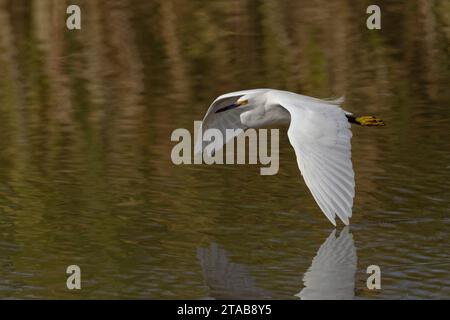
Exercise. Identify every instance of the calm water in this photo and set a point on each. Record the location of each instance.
(85, 170)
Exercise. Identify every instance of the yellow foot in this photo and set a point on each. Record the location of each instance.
(369, 121)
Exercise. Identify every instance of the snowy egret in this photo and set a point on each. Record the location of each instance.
(319, 132)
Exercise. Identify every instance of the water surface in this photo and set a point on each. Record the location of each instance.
(85, 170)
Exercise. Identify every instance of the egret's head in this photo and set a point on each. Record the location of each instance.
(242, 101)
(252, 99)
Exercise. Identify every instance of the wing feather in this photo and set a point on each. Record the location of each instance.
(320, 135)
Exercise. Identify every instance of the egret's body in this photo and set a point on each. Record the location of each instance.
(319, 131)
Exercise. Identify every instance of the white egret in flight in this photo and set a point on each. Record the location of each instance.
(319, 132)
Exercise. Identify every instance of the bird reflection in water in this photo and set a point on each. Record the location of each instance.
(332, 271)
(227, 280)
(330, 276)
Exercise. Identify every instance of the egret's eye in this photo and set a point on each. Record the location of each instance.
(243, 102)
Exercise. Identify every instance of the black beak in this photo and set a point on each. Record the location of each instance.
(231, 106)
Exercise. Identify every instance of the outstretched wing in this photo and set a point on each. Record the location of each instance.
(224, 120)
(320, 134)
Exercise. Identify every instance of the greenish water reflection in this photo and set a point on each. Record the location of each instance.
(86, 118)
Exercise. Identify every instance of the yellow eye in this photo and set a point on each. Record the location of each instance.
(243, 102)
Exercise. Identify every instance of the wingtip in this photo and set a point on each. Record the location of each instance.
(333, 221)
(344, 218)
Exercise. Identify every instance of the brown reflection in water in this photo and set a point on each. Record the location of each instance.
(86, 118)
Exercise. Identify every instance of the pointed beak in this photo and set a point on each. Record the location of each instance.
(231, 106)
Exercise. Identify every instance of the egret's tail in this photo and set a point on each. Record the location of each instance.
(366, 120)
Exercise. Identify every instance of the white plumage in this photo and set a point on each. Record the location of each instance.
(319, 132)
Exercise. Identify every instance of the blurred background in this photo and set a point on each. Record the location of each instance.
(85, 170)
